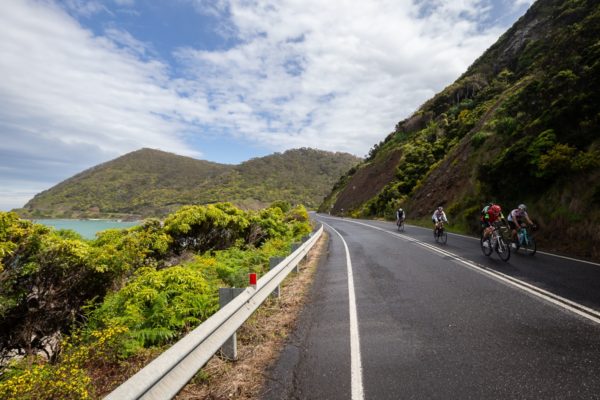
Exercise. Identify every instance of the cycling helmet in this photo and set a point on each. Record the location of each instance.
(495, 210)
(522, 207)
(440, 208)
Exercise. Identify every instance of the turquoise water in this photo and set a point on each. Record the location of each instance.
(85, 227)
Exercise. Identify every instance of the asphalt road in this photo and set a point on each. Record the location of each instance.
(440, 322)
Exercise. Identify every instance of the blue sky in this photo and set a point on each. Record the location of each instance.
(222, 80)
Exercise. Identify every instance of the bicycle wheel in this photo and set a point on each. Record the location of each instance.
(486, 246)
(443, 237)
(529, 246)
(435, 234)
(401, 226)
(503, 249)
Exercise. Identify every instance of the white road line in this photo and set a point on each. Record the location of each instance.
(569, 258)
(567, 304)
(355, 360)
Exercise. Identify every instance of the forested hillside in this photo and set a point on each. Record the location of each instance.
(153, 183)
(519, 126)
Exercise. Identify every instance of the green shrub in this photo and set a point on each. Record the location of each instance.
(200, 228)
(479, 138)
(156, 306)
(557, 161)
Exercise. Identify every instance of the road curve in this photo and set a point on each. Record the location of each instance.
(440, 322)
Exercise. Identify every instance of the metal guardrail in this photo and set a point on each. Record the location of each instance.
(166, 375)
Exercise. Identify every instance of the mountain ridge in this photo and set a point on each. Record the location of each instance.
(151, 182)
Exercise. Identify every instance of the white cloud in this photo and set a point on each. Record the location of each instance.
(215, 8)
(336, 75)
(519, 3)
(85, 8)
(129, 43)
(72, 87)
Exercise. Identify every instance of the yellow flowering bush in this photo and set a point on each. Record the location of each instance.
(34, 378)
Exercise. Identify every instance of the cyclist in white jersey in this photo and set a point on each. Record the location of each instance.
(438, 216)
(516, 217)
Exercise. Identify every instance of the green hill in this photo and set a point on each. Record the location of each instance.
(150, 182)
(519, 126)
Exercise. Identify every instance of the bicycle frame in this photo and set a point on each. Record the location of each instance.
(439, 226)
(400, 224)
(523, 236)
(526, 241)
(439, 232)
(497, 243)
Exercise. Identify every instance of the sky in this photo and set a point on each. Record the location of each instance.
(84, 82)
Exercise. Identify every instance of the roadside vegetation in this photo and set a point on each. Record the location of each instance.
(74, 312)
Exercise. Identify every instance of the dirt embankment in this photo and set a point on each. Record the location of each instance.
(366, 183)
(445, 185)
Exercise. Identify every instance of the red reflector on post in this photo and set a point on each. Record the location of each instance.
(252, 277)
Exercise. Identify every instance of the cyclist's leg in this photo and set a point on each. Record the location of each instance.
(487, 230)
(513, 231)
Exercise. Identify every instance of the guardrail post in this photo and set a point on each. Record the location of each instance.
(229, 348)
(273, 262)
(296, 246)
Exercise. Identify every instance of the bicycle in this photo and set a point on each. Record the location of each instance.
(525, 241)
(400, 224)
(495, 242)
(439, 233)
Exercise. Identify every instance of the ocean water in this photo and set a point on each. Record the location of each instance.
(86, 227)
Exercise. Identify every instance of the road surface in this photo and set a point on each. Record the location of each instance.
(397, 316)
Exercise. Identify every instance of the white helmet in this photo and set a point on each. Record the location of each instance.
(522, 207)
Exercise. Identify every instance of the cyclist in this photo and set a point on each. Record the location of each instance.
(515, 219)
(490, 214)
(400, 216)
(438, 217)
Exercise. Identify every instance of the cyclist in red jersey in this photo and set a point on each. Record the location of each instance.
(492, 214)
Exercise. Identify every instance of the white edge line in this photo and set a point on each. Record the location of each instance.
(355, 359)
(541, 293)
